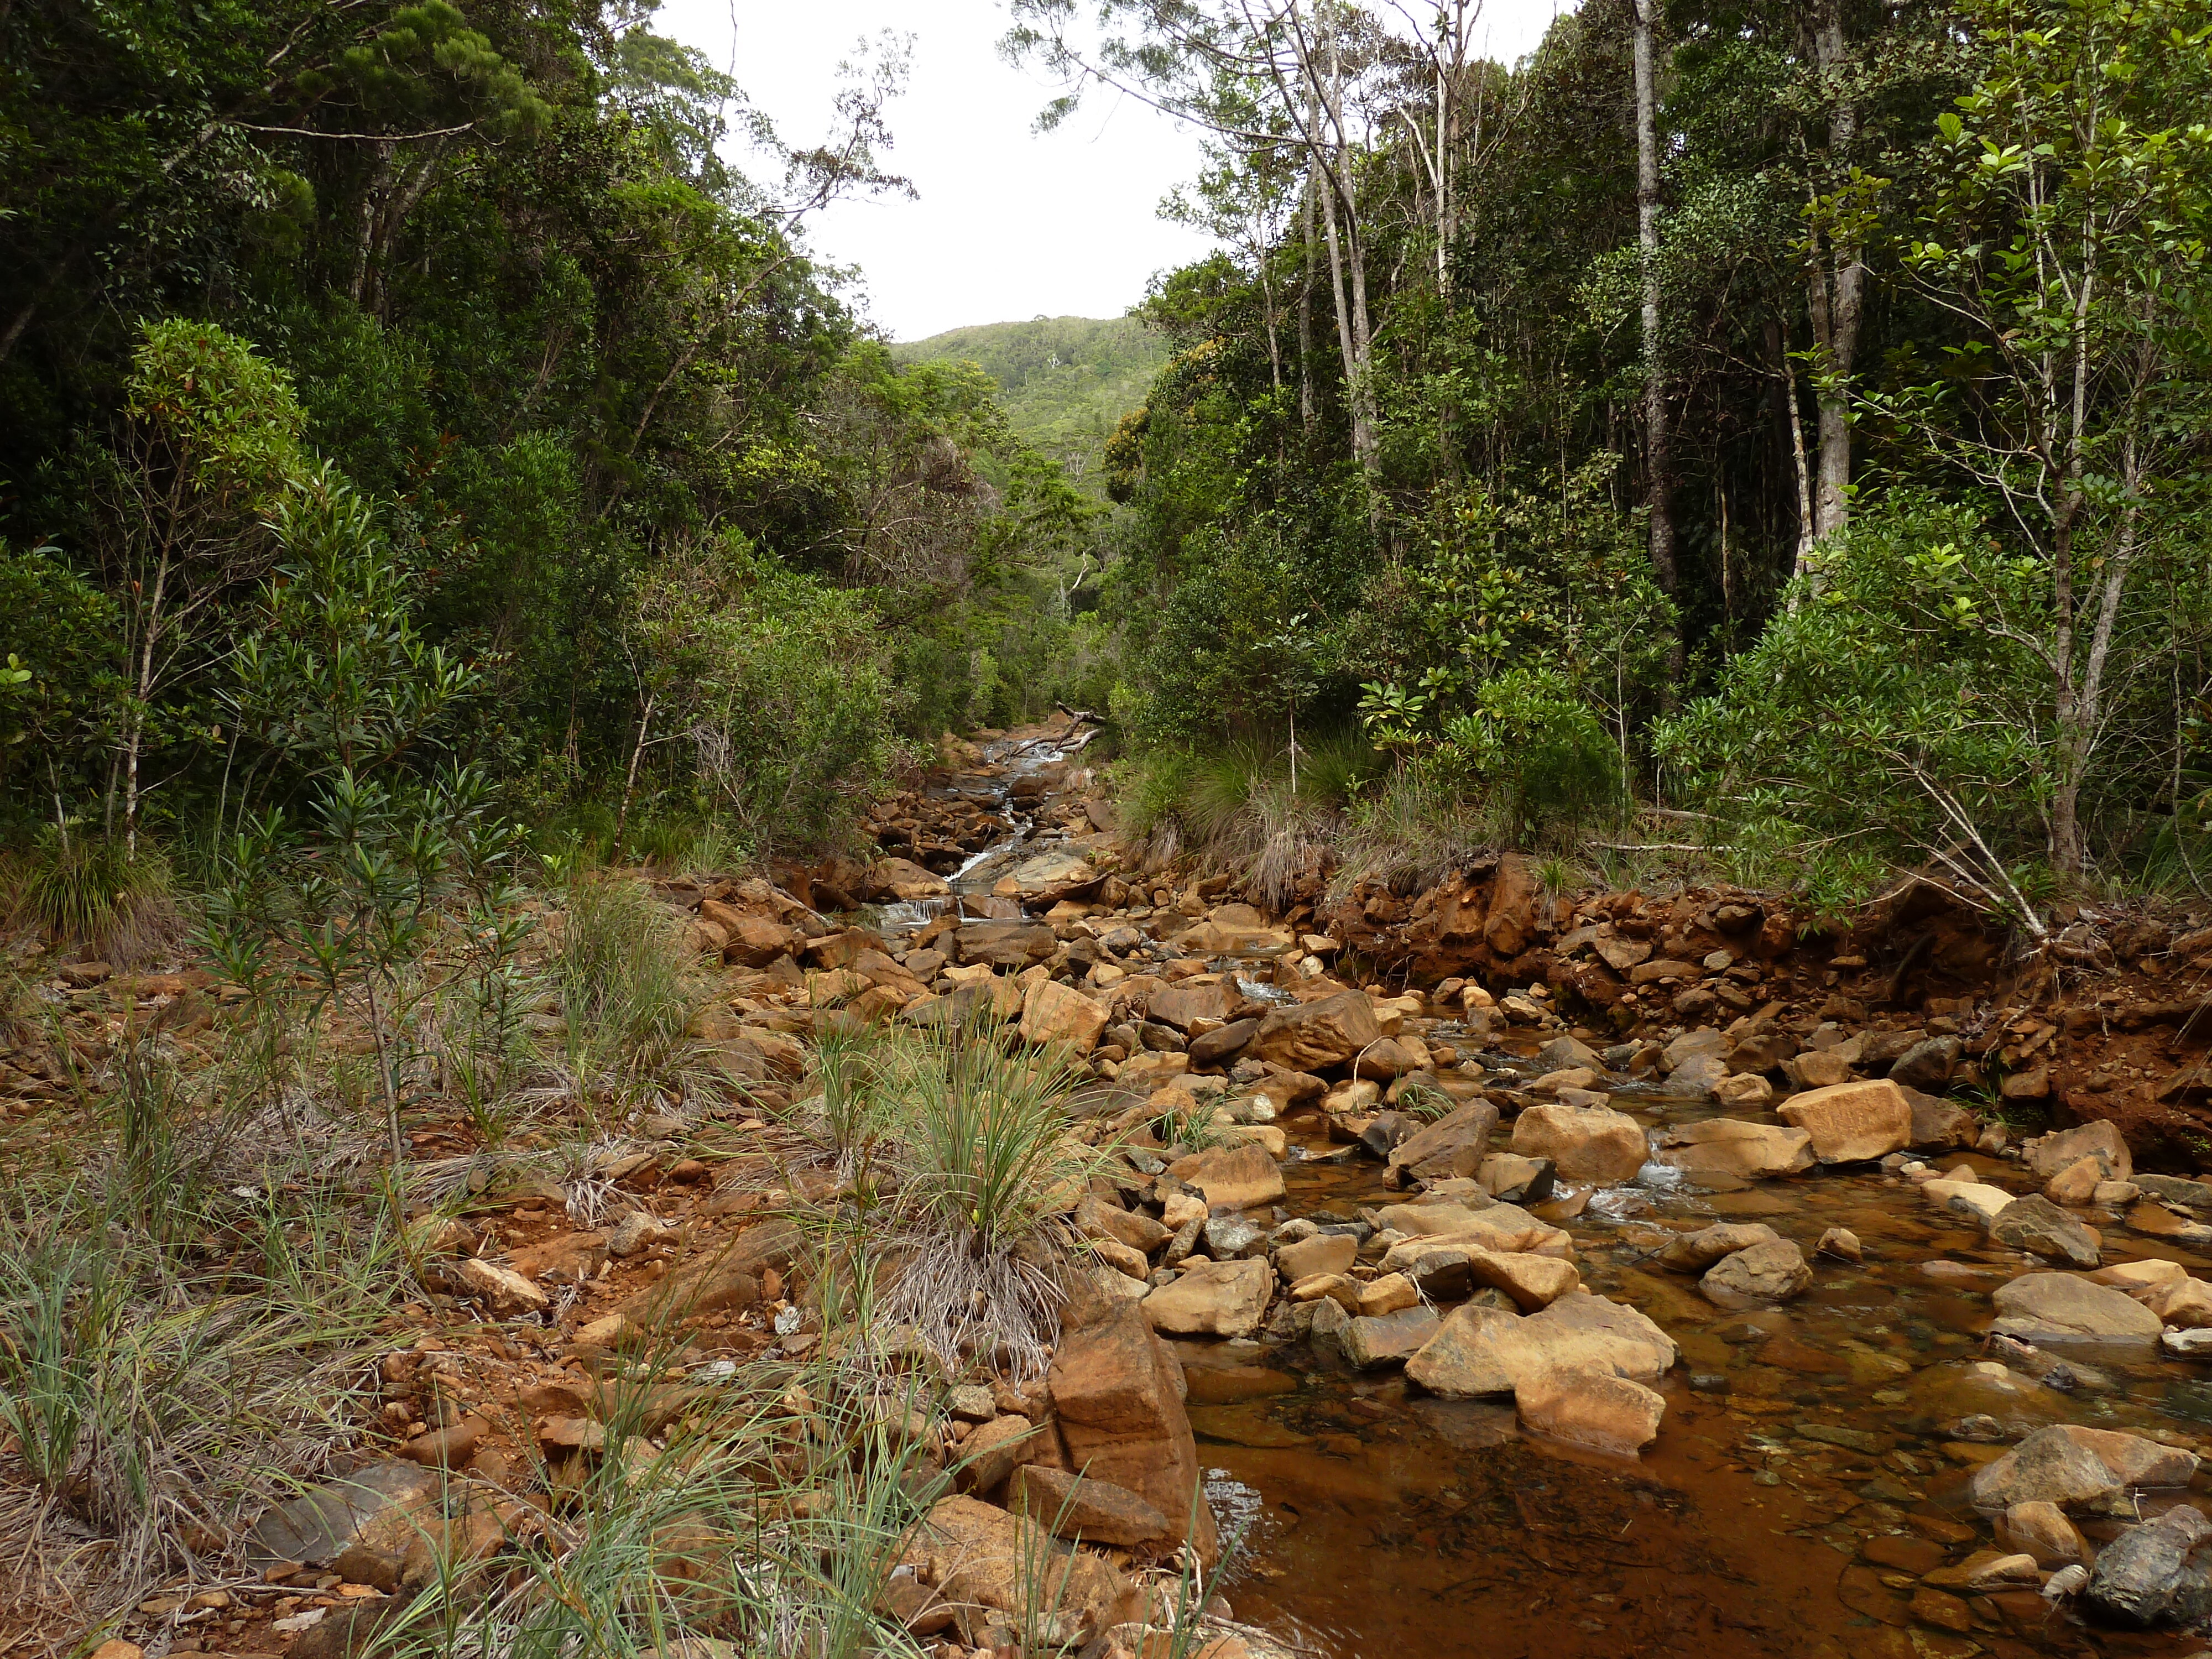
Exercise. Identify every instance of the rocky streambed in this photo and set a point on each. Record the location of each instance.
(1501, 1334)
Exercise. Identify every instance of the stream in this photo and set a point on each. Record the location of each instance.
(1808, 1472)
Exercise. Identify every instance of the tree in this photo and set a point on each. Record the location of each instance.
(2066, 227)
(208, 449)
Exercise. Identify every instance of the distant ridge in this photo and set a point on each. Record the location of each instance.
(1065, 380)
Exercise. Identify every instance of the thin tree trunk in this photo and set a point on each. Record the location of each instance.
(1307, 412)
(1835, 289)
(629, 781)
(1787, 420)
(1658, 439)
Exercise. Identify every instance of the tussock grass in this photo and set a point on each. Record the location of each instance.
(978, 1167)
(1408, 835)
(86, 889)
(159, 1398)
(628, 988)
(1238, 809)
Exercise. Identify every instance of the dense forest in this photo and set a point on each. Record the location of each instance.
(1791, 418)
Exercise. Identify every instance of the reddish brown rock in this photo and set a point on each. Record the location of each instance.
(1119, 1395)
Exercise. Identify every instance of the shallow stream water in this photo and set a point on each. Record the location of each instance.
(1379, 1523)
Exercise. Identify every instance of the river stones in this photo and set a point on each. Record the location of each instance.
(1325, 1253)
(1727, 1145)
(1761, 1276)
(2034, 1223)
(1212, 1298)
(1231, 1177)
(2066, 1307)
(2040, 1529)
(1584, 1143)
(1692, 1253)
(1070, 1506)
(2086, 1471)
(1533, 1281)
(1479, 1350)
(1605, 1414)
(1373, 1341)
(1316, 1036)
(1056, 1014)
(1852, 1123)
(1453, 1145)
(2154, 1573)
(1975, 1201)
(2047, 1155)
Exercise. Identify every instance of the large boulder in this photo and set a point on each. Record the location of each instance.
(1852, 1123)
(1451, 1146)
(2049, 1154)
(1927, 1063)
(1939, 1125)
(1605, 1414)
(1179, 1004)
(1052, 876)
(1533, 1281)
(1481, 1350)
(1118, 1393)
(1584, 1143)
(1373, 1341)
(1056, 1014)
(898, 879)
(2065, 1307)
(2157, 1573)
(1309, 1258)
(1005, 943)
(749, 940)
(2086, 1471)
(1231, 1177)
(1073, 1505)
(1761, 1276)
(2034, 1223)
(1503, 1228)
(1692, 1253)
(1317, 1035)
(1212, 1298)
(1727, 1145)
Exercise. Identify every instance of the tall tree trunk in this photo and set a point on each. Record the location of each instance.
(1658, 438)
(1835, 285)
(1347, 251)
(1308, 411)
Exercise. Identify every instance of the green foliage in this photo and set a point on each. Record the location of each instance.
(779, 686)
(1902, 714)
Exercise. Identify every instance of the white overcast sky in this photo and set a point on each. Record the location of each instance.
(1009, 223)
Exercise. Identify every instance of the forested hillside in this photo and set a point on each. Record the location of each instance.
(1065, 382)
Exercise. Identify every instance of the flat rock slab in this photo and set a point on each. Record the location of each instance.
(1852, 1123)
(315, 1527)
(2066, 1307)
